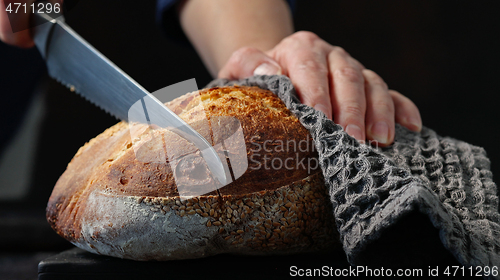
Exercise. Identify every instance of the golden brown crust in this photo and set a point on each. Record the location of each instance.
(108, 163)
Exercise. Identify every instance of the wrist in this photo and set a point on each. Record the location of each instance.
(218, 28)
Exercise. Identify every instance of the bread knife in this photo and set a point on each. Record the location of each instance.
(75, 63)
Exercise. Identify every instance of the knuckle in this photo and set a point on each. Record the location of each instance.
(318, 94)
(374, 79)
(399, 95)
(394, 92)
(349, 74)
(402, 98)
(312, 66)
(403, 103)
(340, 50)
(305, 36)
(352, 109)
(385, 107)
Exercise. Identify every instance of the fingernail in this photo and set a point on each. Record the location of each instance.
(324, 109)
(267, 68)
(354, 131)
(415, 123)
(380, 132)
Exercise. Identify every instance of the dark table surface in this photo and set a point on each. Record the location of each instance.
(79, 264)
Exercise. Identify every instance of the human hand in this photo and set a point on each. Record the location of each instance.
(327, 78)
(22, 38)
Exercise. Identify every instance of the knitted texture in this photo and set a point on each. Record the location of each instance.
(389, 203)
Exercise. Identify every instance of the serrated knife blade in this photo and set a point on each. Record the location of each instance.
(75, 63)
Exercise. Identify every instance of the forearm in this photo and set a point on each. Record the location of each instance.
(217, 28)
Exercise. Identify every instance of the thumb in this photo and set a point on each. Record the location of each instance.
(248, 61)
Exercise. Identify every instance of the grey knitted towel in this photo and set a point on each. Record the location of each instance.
(392, 205)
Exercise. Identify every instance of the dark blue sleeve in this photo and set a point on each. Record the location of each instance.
(168, 19)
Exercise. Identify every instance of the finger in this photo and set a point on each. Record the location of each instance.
(249, 61)
(379, 110)
(406, 112)
(306, 64)
(21, 20)
(354, 61)
(348, 93)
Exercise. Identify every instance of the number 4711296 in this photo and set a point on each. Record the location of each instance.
(471, 271)
(40, 8)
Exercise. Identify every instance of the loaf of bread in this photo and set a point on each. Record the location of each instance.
(111, 201)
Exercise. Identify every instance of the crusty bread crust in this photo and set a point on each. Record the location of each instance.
(109, 202)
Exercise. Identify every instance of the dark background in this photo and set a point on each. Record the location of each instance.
(442, 55)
